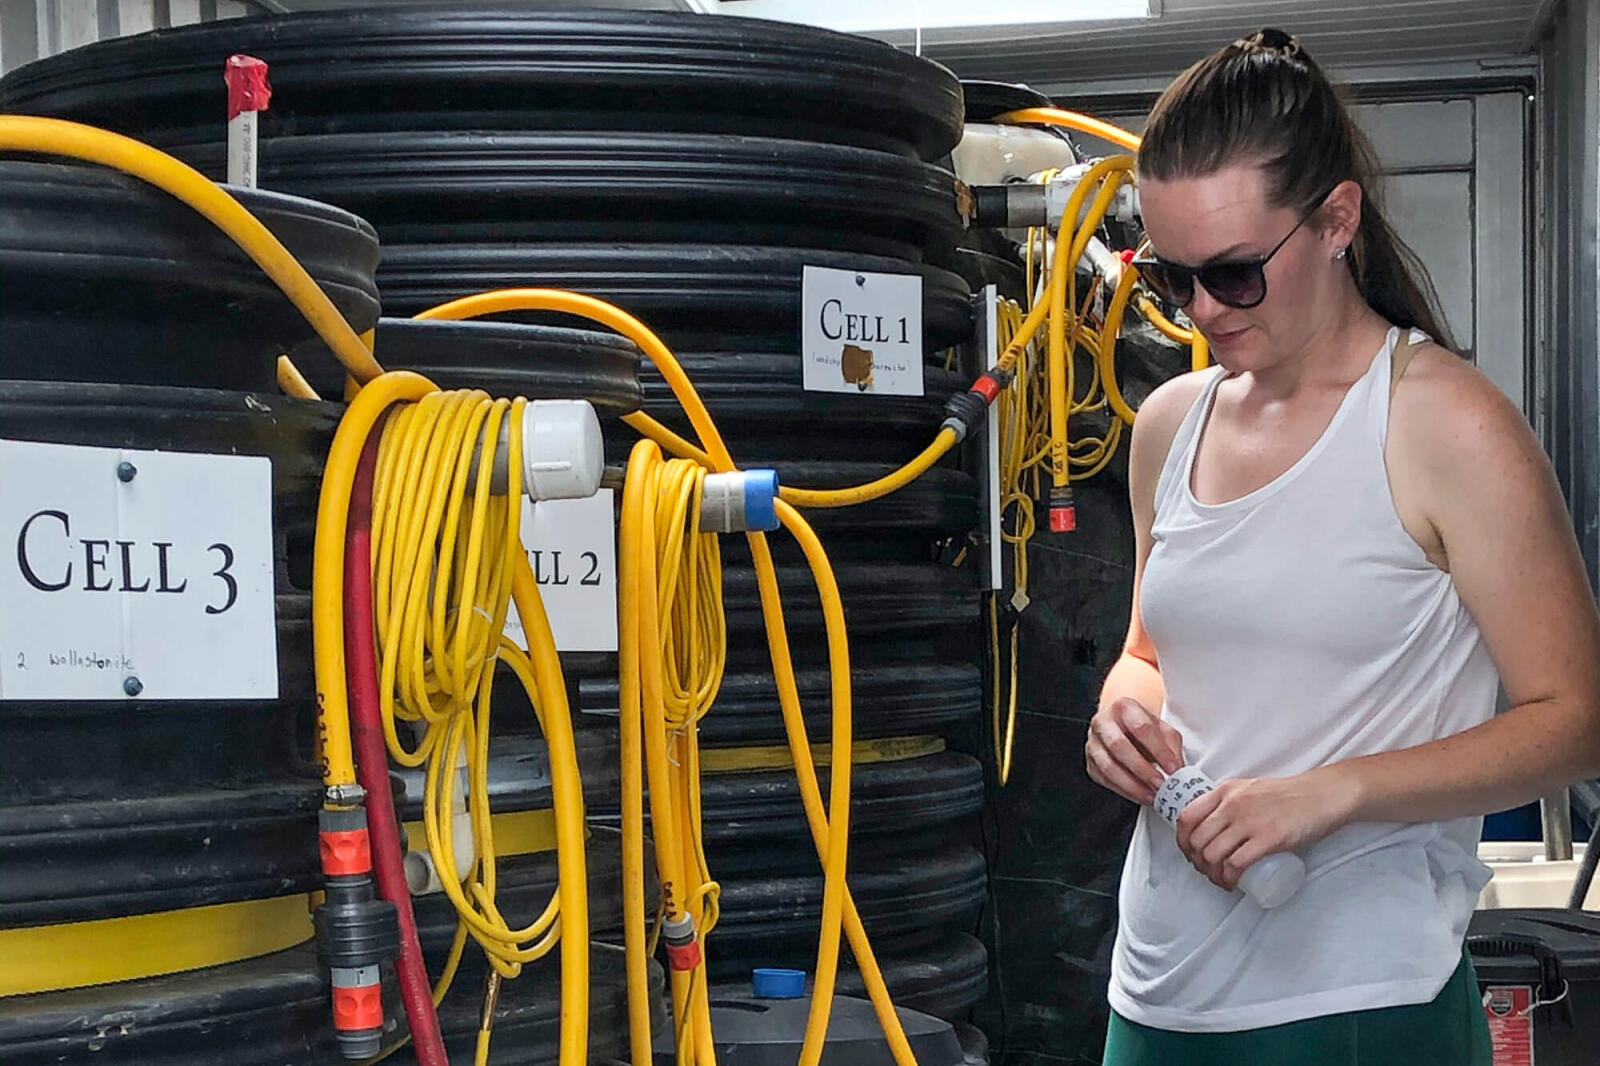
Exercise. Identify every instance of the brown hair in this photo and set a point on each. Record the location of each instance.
(1265, 98)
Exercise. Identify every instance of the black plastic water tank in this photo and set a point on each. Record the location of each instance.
(385, 69)
(108, 279)
(687, 169)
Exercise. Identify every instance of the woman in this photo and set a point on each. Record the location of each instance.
(1339, 555)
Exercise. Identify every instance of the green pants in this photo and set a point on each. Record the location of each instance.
(1450, 1031)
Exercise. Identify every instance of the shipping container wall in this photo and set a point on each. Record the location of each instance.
(1566, 378)
(32, 29)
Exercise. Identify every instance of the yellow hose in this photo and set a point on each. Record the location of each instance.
(1167, 328)
(1108, 344)
(943, 441)
(872, 490)
(1104, 177)
(1056, 116)
(672, 645)
(817, 817)
(292, 382)
(573, 887)
(327, 587)
(1199, 352)
(831, 844)
(49, 136)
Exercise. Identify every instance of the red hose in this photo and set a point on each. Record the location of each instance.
(372, 760)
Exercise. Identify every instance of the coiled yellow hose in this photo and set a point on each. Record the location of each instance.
(830, 826)
(673, 631)
(440, 591)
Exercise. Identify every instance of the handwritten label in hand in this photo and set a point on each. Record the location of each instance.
(1179, 790)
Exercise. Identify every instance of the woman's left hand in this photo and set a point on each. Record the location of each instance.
(1246, 819)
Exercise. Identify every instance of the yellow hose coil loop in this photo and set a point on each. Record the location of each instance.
(829, 826)
(445, 562)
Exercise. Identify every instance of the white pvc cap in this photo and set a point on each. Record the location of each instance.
(563, 453)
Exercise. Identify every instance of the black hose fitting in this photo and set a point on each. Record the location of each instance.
(354, 928)
(965, 412)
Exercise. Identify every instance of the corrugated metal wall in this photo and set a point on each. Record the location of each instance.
(1567, 353)
(32, 29)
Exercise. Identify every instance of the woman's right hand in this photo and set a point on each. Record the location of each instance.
(1129, 748)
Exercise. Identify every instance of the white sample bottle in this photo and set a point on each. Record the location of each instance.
(1271, 881)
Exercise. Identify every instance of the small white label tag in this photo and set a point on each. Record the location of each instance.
(572, 550)
(155, 582)
(861, 332)
(1179, 790)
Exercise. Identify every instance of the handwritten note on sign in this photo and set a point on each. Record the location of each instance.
(572, 550)
(861, 332)
(134, 573)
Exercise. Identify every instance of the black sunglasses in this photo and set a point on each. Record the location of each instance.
(1240, 283)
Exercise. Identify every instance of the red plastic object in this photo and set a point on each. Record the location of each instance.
(372, 763)
(1063, 519)
(683, 957)
(248, 90)
(345, 852)
(360, 1007)
(987, 387)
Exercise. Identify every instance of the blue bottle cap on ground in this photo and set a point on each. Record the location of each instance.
(760, 494)
(778, 984)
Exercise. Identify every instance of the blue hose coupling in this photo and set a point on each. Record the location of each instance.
(739, 501)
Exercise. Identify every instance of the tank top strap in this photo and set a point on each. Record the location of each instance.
(1382, 382)
(1180, 454)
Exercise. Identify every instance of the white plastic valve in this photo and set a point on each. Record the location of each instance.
(563, 454)
(422, 876)
(1271, 881)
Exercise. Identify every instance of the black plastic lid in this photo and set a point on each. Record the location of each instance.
(986, 100)
(1518, 945)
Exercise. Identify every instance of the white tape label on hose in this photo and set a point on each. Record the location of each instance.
(572, 550)
(135, 574)
(861, 332)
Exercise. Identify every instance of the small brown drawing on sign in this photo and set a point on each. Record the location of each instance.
(856, 364)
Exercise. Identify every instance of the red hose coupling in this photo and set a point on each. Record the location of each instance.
(345, 852)
(682, 945)
(988, 387)
(1063, 513)
(357, 1010)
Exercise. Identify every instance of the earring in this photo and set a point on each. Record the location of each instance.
(1340, 253)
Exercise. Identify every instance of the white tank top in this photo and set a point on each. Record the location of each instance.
(1297, 626)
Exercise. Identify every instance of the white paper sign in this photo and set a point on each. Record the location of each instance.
(157, 583)
(572, 550)
(861, 332)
